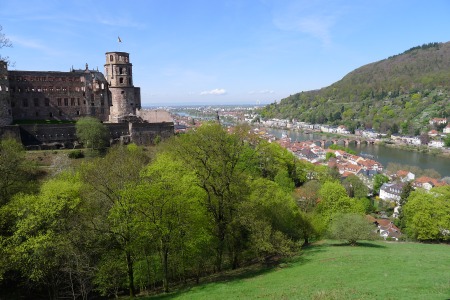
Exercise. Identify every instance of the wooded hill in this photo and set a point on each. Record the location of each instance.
(400, 93)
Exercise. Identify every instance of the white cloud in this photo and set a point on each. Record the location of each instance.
(261, 92)
(214, 92)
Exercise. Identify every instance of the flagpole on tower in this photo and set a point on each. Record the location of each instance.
(119, 41)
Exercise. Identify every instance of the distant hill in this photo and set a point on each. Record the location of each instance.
(400, 93)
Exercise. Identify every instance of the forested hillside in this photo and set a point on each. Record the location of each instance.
(400, 93)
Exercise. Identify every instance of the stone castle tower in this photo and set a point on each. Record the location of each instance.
(5, 100)
(125, 97)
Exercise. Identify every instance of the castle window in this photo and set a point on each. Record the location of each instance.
(78, 101)
(64, 89)
(25, 102)
(78, 112)
(19, 90)
(102, 102)
(111, 58)
(120, 71)
(60, 113)
(50, 115)
(59, 101)
(77, 89)
(36, 101)
(129, 81)
(72, 101)
(122, 92)
(58, 89)
(66, 101)
(47, 102)
(1, 88)
(6, 89)
(50, 89)
(121, 80)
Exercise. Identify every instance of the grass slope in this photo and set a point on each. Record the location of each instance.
(377, 270)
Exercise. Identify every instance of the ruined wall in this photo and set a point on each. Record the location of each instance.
(38, 95)
(64, 135)
(146, 133)
(5, 101)
(11, 131)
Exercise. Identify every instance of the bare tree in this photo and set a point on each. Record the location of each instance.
(5, 42)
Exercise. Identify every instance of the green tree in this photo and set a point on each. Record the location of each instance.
(92, 133)
(447, 140)
(334, 200)
(378, 181)
(107, 185)
(426, 214)
(351, 228)
(17, 174)
(272, 220)
(355, 187)
(219, 161)
(169, 206)
(43, 245)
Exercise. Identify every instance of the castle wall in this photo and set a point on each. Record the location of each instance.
(37, 95)
(146, 133)
(10, 131)
(5, 100)
(64, 135)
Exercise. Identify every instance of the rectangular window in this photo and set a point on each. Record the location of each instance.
(72, 101)
(78, 101)
(25, 102)
(36, 101)
(47, 102)
(59, 101)
(66, 101)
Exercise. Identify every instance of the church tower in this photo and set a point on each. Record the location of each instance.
(125, 98)
(5, 98)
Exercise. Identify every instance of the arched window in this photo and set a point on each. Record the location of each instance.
(121, 80)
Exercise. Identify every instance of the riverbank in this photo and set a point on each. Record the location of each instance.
(440, 152)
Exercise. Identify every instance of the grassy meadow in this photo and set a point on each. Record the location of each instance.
(329, 270)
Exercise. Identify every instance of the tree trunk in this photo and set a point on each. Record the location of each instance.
(165, 263)
(130, 275)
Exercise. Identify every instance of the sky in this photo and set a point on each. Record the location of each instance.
(220, 51)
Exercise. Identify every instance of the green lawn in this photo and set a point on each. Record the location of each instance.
(376, 270)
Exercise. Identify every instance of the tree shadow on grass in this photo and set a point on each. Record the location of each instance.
(244, 273)
(358, 244)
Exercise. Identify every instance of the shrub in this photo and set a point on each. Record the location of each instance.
(76, 154)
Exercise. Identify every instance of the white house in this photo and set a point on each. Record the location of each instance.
(391, 191)
(436, 144)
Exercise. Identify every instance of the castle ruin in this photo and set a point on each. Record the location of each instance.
(36, 96)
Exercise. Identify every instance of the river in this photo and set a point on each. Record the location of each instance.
(381, 153)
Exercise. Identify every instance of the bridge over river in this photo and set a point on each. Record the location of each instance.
(342, 141)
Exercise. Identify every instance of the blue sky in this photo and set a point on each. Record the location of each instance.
(220, 52)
